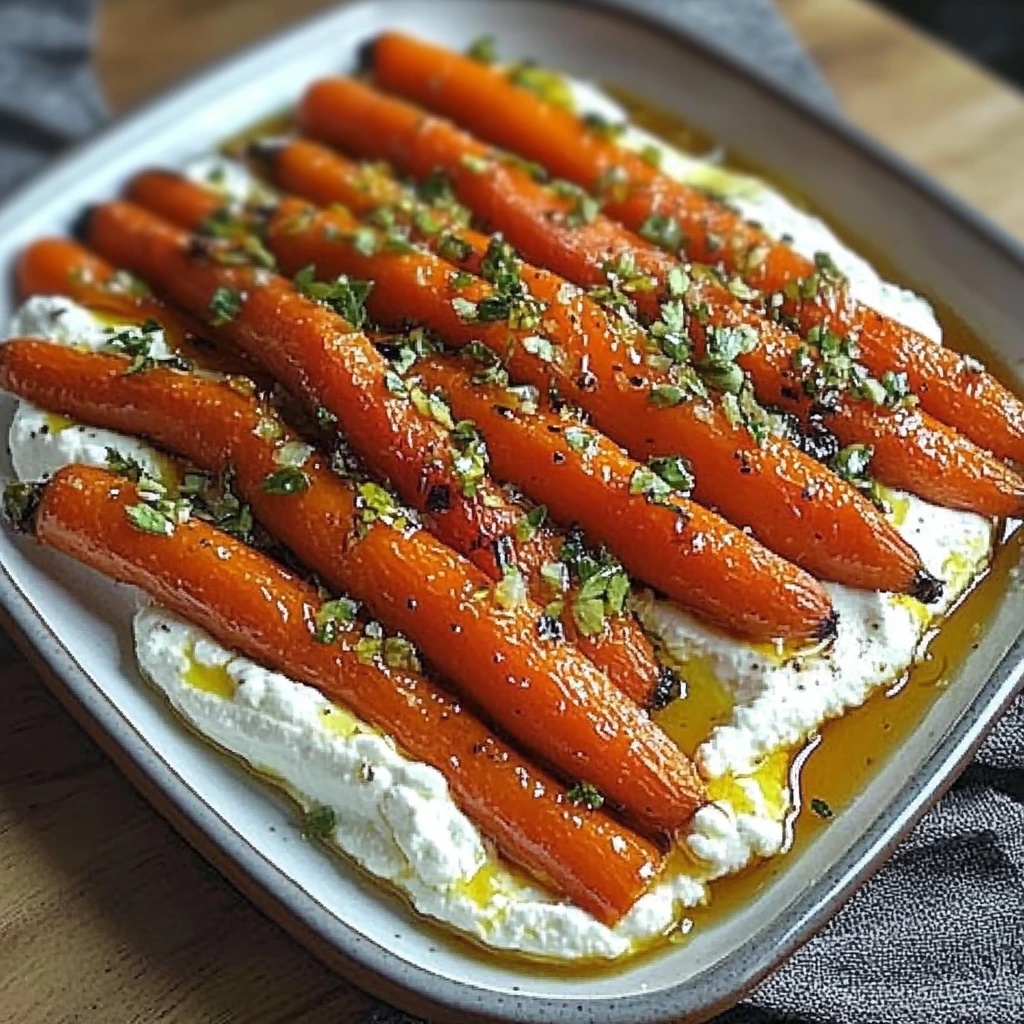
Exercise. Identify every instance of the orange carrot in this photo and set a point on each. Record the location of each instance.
(58, 266)
(712, 563)
(695, 557)
(792, 504)
(955, 390)
(251, 604)
(469, 513)
(544, 694)
(912, 450)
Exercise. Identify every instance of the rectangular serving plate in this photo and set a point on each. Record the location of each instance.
(77, 626)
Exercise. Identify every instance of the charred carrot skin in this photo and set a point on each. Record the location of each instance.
(913, 451)
(221, 584)
(482, 527)
(690, 554)
(791, 503)
(485, 102)
(409, 581)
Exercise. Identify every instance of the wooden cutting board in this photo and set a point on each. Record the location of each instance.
(107, 915)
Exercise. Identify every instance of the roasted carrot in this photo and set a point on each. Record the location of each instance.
(58, 266)
(791, 503)
(695, 557)
(912, 450)
(955, 390)
(468, 512)
(252, 605)
(411, 582)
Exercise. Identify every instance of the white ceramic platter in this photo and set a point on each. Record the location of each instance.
(78, 624)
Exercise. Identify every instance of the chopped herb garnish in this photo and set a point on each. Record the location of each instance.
(452, 248)
(474, 163)
(510, 591)
(124, 465)
(531, 522)
(664, 396)
(345, 296)
(600, 125)
(331, 615)
(547, 84)
(286, 480)
(651, 154)
(675, 471)
(21, 500)
(150, 519)
(852, 462)
(662, 231)
(484, 49)
(225, 304)
(319, 823)
(585, 207)
(586, 795)
(581, 440)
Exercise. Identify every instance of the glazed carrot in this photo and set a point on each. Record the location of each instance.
(58, 266)
(417, 453)
(791, 503)
(544, 694)
(951, 388)
(692, 555)
(912, 450)
(223, 586)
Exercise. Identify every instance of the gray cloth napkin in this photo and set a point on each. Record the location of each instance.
(938, 936)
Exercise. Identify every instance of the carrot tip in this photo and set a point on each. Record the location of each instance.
(828, 627)
(80, 225)
(926, 587)
(265, 151)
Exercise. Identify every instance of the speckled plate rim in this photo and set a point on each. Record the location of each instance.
(371, 965)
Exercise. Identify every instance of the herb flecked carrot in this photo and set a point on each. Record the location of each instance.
(250, 604)
(640, 512)
(545, 694)
(792, 504)
(560, 228)
(436, 465)
(954, 389)
(674, 544)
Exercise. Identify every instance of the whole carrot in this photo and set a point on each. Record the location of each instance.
(435, 465)
(952, 388)
(791, 503)
(554, 227)
(545, 694)
(252, 605)
(59, 266)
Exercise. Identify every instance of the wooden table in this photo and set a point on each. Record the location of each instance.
(105, 914)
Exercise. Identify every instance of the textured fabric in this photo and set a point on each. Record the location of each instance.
(48, 95)
(937, 937)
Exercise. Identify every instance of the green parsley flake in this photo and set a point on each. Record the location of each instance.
(331, 615)
(583, 794)
(319, 823)
(347, 297)
(531, 522)
(286, 480)
(224, 306)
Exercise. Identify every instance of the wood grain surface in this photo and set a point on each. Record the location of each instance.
(106, 914)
